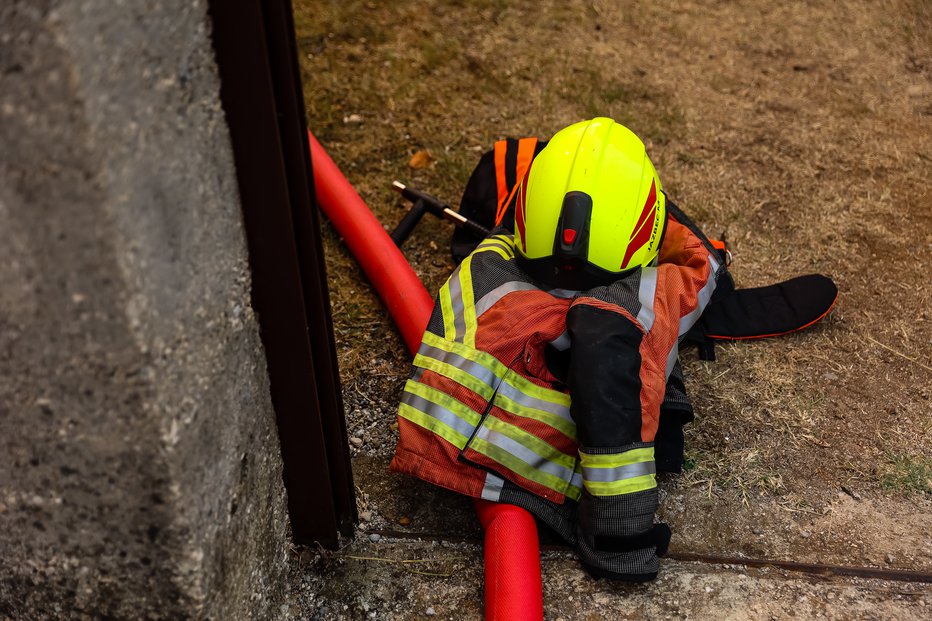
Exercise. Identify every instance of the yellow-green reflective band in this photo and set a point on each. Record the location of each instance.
(456, 374)
(619, 473)
(489, 361)
(505, 241)
(446, 309)
(469, 302)
(457, 408)
(614, 460)
(504, 248)
(539, 392)
(576, 484)
(433, 425)
(496, 249)
(445, 417)
(518, 466)
(535, 450)
(456, 305)
(565, 426)
(515, 394)
(478, 371)
(626, 486)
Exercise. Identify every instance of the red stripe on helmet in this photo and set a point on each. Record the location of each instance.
(520, 214)
(642, 231)
(651, 199)
(521, 207)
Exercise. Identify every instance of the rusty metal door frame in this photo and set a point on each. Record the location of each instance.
(256, 52)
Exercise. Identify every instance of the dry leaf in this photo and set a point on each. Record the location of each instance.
(421, 159)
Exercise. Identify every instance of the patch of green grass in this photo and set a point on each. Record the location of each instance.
(616, 92)
(689, 462)
(690, 159)
(647, 111)
(438, 52)
(907, 474)
(663, 126)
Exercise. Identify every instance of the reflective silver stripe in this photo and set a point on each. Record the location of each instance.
(629, 471)
(565, 294)
(702, 299)
(525, 454)
(439, 412)
(489, 378)
(456, 303)
(690, 319)
(492, 297)
(647, 291)
(577, 480)
(493, 487)
(528, 401)
(475, 369)
(562, 342)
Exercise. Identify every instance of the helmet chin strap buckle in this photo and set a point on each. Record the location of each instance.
(572, 236)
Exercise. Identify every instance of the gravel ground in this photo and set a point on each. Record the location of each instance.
(396, 579)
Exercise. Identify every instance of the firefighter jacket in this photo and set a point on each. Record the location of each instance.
(551, 400)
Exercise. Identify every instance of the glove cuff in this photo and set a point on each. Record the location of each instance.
(617, 537)
(658, 537)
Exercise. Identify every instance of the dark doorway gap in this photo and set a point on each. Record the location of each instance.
(261, 93)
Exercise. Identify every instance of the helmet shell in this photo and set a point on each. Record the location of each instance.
(597, 161)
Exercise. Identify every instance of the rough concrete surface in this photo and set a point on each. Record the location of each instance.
(400, 579)
(418, 554)
(139, 469)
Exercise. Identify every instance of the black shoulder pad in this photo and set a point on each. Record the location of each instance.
(478, 204)
(480, 197)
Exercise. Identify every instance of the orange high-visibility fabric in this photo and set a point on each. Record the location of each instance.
(501, 182)
(517, 329)
(523, 159)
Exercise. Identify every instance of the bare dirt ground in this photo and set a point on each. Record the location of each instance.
(803, 131)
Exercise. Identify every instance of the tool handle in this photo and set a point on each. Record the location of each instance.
(431, 203)
(435, 206)
(474, 227)
(407, 224)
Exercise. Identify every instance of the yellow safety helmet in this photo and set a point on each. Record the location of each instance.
(590, 208)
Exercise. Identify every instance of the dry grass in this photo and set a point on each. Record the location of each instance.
(802, 131)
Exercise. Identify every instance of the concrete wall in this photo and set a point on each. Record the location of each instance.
(140, 475)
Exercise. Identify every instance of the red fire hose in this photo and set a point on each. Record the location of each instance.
(388, 270)
(513, 589)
